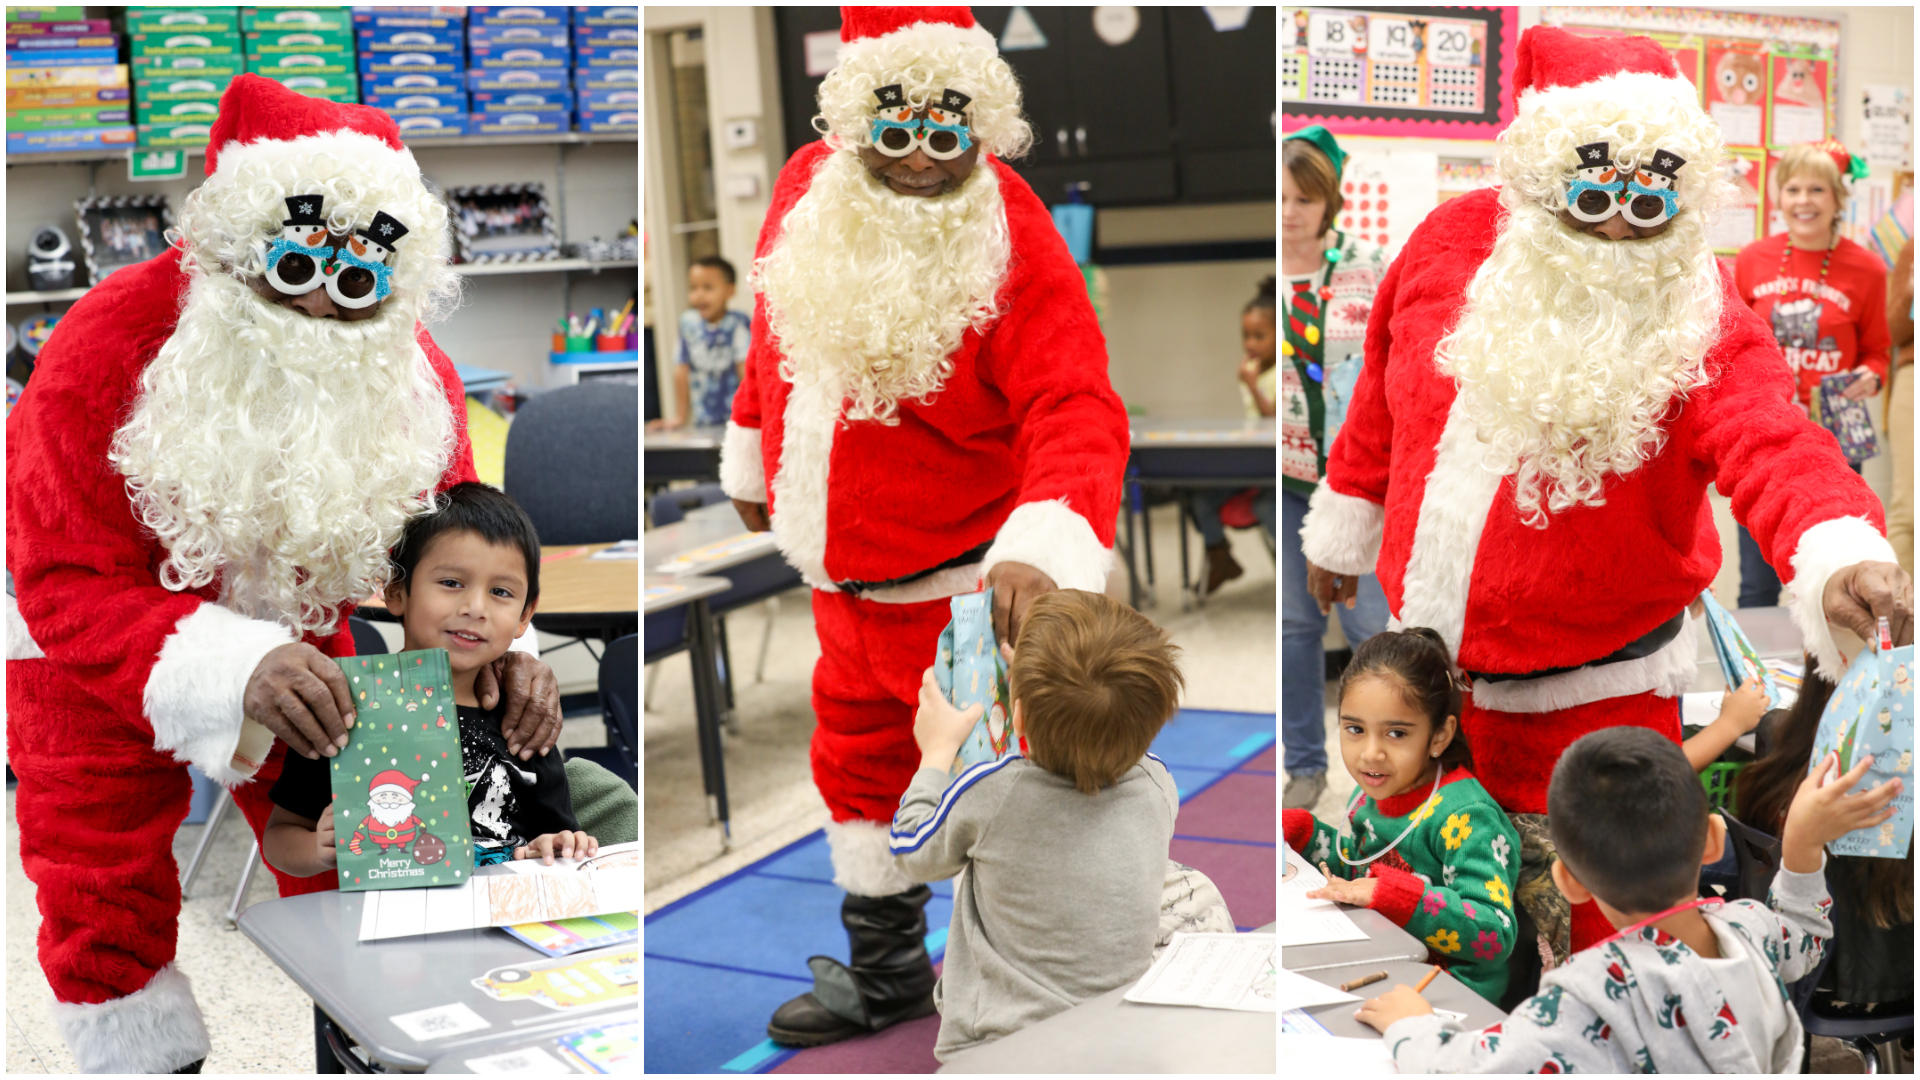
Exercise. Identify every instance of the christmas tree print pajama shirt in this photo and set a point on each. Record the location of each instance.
(1449, 883)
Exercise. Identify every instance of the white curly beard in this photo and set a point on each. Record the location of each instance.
(879, 287)
(283, 452)
(1572, 349)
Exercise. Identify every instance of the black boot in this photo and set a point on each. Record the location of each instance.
(193, 1068)
(890, 980)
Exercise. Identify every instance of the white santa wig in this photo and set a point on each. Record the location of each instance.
(1573, 348)
(925, 59)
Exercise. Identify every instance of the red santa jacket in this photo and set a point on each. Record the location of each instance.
(1025, 447)
(1452, 553)
(85, 572)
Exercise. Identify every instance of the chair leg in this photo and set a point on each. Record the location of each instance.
(766, 639)
(214, 816)
(652, 670)
(1186, 595)
(240, 893)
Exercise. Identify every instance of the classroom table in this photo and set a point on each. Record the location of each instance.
(687, 454)
(677, 619)
(1390, 949)
(1183, 454)
(580, 596)
(361, 984)
(520, 1043)
(1111, 1035)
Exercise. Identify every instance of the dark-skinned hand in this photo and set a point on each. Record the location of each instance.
(1015, 587)
(1329, 588)
(753, 514)
(1856, 596)
(299, 693)
(532, 717)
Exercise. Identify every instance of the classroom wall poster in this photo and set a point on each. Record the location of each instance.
(1799, 99)
(1388, 194)
(1736, 88)
(1435, 72)
(1888, 128)
(1737, 223)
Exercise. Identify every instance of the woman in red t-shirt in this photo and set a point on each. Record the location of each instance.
(1825, 297)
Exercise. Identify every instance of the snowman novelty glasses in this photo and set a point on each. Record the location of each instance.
(941, 134)
(1643, 194)
(354, 273)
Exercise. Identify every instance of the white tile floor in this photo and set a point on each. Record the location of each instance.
(1229, 648)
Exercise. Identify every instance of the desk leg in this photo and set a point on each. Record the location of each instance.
(1128, 496)
(1146, 545)
(707, 708)
(1180, 508)
(323, 1060)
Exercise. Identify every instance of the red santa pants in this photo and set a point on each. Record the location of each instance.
(866, 686)
(98, 808)
(1514, 755)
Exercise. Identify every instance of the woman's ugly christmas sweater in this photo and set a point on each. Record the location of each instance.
(1449, 883)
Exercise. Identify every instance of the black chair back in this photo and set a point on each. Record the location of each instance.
(572, 463)
(671, 506)
(367, 640)
(620, 693)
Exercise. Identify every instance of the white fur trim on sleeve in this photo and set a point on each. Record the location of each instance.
(1668, 671)
(1342, 532)
(743, 473)
(863, 859)
(194, 696)
(1823, 549)
(1053, 538)
(155, 1029)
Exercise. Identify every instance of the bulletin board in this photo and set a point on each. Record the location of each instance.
(1438, 72)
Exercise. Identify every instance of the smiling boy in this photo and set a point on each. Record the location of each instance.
(466, 578)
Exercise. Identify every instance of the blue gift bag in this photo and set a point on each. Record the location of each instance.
(1871, 712)
(1739, 661)
(970, 671)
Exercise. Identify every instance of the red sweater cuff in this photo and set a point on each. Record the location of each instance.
(1297, 827)
(1396, 893)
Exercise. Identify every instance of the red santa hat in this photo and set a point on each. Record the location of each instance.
(256, 109)
(872, 28)
(1555, 64)
(395, 779)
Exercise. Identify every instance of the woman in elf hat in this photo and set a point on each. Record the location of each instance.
(1330, 276)
(1823, 295)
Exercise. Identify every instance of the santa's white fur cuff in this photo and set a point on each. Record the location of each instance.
(195, 695)
(1050, 537)
(1341, 533)
(155, 1029)
(863, 860)
(1823, 549)
(743, 473)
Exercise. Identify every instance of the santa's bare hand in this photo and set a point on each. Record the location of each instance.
(753, 515)
(1328, 588)
(301, 696)
(1857, 596)
(531, 720)
(323, 835)
(567, 845)
(1015, 586)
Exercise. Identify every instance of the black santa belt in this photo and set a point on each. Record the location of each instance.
(971, 555)
(1652, 642)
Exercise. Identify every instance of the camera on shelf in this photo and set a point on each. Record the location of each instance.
(49, 259)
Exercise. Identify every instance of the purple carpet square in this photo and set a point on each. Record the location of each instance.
(1240, 807)
(1266, 761)
(902, 1048)
(1246, 876)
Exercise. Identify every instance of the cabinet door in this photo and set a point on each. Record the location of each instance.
(1120, 90)
(1215, 105)
(799, 91)
(1044, 86)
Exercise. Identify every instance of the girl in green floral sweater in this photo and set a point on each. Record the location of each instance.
(1430, 848)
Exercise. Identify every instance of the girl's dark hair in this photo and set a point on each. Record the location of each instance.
(1415, 660)
(1265, 298)
(475, 508)
(1765, 790)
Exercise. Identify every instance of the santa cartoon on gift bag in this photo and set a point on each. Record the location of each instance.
(1527, 458)
(390, 822)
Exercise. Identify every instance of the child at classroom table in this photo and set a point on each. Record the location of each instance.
(1259, 342)
(466, 578)
(714, 340)
(1688, 984)
(1431, 849)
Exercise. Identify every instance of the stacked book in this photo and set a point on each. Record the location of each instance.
(413, 66)
(307, 50)
(606, 74)
(66, 87)
(520, 70)
(183, 60)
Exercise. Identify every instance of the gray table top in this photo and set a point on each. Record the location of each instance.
(362, 984)
(1110, 1035)
(1359, 958)
(707, 525)
(693, 438)
(664, 592)
(1170, 434)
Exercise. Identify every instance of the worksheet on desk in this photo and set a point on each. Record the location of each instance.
(1304, 921)
(1213, 971)
(531, 892)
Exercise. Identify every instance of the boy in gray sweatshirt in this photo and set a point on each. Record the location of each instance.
(1061, 853)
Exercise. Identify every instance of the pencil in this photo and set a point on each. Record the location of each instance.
(1431, 975)
(1349, 987)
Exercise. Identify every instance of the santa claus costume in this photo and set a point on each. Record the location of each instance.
(196, 476)
(1527, 459)
(926, 398)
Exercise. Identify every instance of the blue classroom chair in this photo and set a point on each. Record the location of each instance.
(619, 698)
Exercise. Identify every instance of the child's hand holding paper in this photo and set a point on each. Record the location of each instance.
(1396, 1004)
(1358, 892)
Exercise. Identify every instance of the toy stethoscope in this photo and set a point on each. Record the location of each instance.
(1674, 910)
(1414, 824)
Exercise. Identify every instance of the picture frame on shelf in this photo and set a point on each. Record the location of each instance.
(121, 230)
(503, 223)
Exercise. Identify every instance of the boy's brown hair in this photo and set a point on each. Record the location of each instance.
(1094, 680)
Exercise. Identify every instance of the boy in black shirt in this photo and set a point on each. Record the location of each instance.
(466, 577)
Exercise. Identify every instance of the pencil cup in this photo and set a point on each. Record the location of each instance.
(582, 343)
(611, 342)
(559, 343)
(633, 340)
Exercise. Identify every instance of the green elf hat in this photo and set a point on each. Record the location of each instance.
(1322, 138)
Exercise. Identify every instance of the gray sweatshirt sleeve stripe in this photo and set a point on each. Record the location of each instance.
(902, 843)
